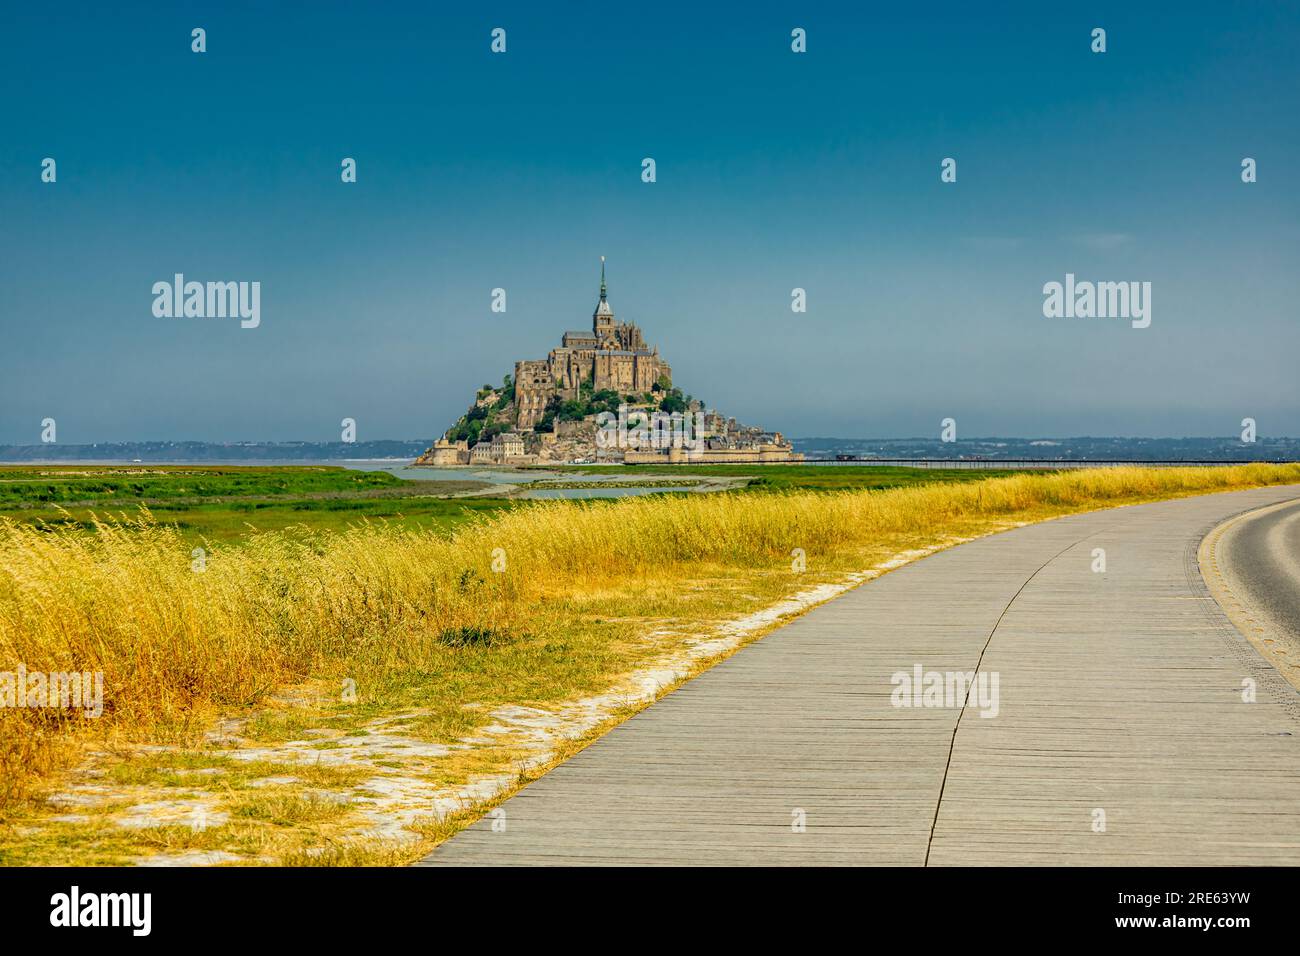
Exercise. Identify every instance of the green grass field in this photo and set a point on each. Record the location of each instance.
(794, 477)
(118, 484)
(223, 504)
(226, 503)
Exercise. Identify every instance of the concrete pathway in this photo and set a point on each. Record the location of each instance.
(1121, 735)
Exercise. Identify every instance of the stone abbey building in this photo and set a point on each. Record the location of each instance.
(613, 355)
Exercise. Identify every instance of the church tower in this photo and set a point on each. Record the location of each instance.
(602, 320)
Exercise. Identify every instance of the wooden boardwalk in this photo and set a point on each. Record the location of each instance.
(1119, 692)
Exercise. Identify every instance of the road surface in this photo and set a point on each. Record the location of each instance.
(1254, 572)
(1134, 723)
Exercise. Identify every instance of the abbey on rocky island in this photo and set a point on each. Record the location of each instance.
(550, 409)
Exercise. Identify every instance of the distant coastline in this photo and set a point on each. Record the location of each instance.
(1085, 448)
(253, 452)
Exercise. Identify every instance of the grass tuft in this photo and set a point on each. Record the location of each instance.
(473, 637)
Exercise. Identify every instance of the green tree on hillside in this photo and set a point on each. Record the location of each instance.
(673, 402)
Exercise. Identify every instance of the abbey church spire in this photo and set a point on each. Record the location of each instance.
(602, 320)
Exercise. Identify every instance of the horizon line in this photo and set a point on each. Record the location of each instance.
(923, 438)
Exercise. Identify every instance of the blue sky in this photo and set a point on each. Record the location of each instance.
(775, 170)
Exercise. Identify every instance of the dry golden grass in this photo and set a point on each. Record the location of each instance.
(176, 646)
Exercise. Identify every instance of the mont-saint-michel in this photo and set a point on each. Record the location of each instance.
(604, 394)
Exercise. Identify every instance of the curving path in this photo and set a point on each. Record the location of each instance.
(1121, 734)
(1253, 568)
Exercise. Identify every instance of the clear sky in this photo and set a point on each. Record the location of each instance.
(775, 170)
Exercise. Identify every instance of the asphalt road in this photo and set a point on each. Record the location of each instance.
(1122, 719)
(1259, 556)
